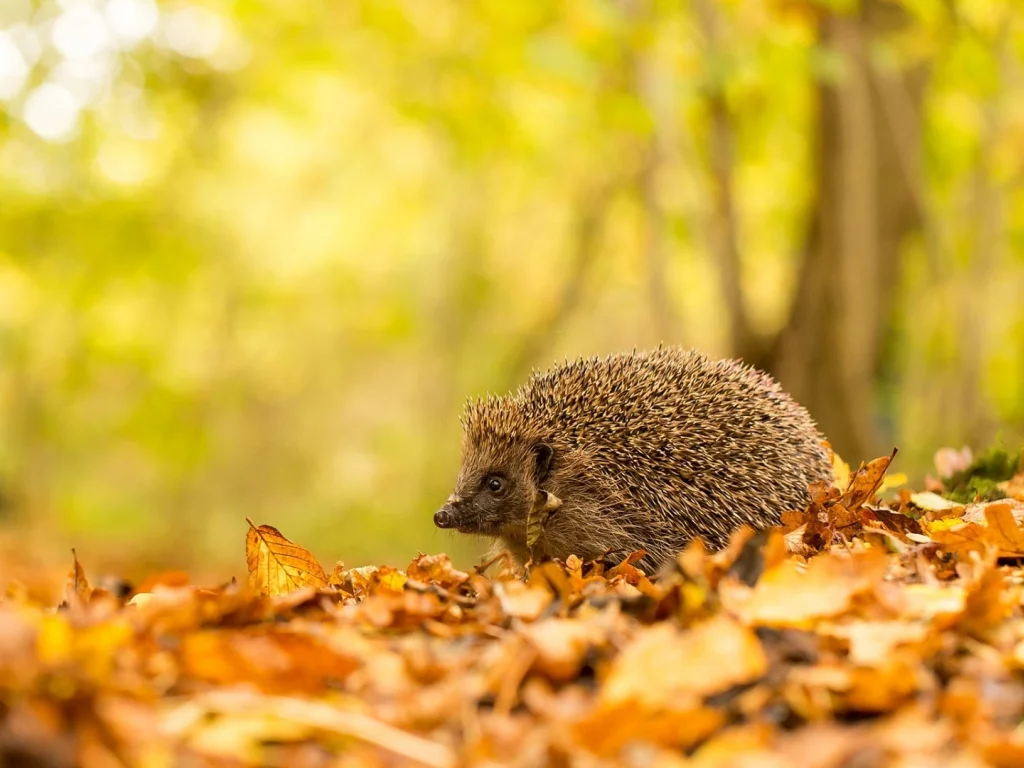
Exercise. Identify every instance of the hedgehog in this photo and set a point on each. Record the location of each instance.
(645, 450)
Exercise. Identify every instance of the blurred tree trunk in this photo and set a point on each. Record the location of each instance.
(831, 350)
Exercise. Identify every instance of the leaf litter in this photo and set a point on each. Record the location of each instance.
(876, 627)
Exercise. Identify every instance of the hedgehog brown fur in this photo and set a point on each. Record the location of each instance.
(644, 450)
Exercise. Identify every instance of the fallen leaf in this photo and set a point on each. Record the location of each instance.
(866, 481)
(1004, 529)
(522, 601)
(872, 643)
(278, 662)
(607, 730)
(791, 595)
(437, 569)
(277, 565)
(561, 645)
(932, 502)
(665, 665)
(77, 590)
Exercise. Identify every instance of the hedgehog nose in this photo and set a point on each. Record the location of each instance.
(444, 518)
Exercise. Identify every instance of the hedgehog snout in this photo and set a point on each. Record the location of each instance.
(446, 516)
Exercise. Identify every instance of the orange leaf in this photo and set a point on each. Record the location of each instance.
(1000, 530)
(277, 565)
(271, 661)
(1005, 533)
(437, 569)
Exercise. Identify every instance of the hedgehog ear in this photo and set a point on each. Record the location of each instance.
(543, 454)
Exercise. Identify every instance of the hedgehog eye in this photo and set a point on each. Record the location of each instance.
(494, 483)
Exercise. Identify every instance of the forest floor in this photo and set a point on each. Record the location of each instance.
(860, 633)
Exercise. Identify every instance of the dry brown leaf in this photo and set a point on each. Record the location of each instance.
(278, 565)
(859, 689)
(976, 512)
(76, 589)
(437, 569)
(338, 577)
(865, 481)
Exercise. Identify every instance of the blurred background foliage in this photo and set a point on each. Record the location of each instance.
(255, 255)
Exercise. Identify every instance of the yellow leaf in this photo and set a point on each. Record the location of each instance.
(277, 565)
(932, 502)
(55, 640)
(894, 480)
(942, 524)
(840, 472)
(393, 579)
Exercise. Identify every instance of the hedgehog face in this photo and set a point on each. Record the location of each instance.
(495, 490)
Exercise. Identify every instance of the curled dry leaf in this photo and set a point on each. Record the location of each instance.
(437, 569)
(76, 590)
(865, 481)
(544, 506)
(278, 565)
